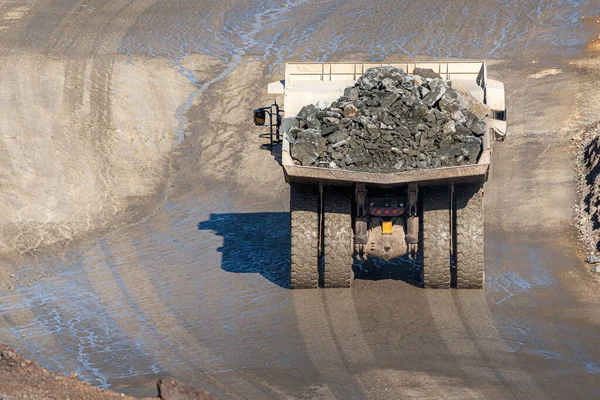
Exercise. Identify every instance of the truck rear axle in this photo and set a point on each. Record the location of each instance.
(386, 227)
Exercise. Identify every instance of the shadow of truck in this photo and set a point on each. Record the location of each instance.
(260, 243)
(254, 243)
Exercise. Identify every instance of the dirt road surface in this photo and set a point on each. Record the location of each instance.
(145, 235)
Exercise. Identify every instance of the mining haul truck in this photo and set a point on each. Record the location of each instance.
(434, 216)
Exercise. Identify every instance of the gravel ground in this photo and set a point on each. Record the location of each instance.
(586, 211)
(587, 140)
(24, 379)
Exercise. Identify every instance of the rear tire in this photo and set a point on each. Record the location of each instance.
(436, 237)
(469, 236)
(338, 240)
(304, 207)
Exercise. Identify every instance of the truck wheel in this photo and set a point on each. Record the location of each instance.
(436, 237)
(469, 236)
(338, 240)
(304, 206)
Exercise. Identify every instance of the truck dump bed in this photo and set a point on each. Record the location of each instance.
(295, 173)
(307, 83)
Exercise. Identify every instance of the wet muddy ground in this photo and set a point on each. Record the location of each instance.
(148, 240)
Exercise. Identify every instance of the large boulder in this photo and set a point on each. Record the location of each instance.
(308, 147)
(426, 73)
(435, 95)
(475, 106)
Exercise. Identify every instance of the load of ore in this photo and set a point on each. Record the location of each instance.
(390, 121)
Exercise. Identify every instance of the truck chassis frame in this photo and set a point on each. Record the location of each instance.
(440, 226)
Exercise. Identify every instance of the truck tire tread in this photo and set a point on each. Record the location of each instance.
(436, 237)
(469, 236)
(304, 203)
(338, 247)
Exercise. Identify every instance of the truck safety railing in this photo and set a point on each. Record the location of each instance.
(352, 71)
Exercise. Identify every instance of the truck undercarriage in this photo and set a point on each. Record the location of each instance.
(441, 226)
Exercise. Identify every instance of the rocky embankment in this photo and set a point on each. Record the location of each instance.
(21, 379)
(588, 209)
(390, 121)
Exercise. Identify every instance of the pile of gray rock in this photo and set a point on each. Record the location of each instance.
(390, 121)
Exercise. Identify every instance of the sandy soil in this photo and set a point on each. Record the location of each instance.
(94, 153)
